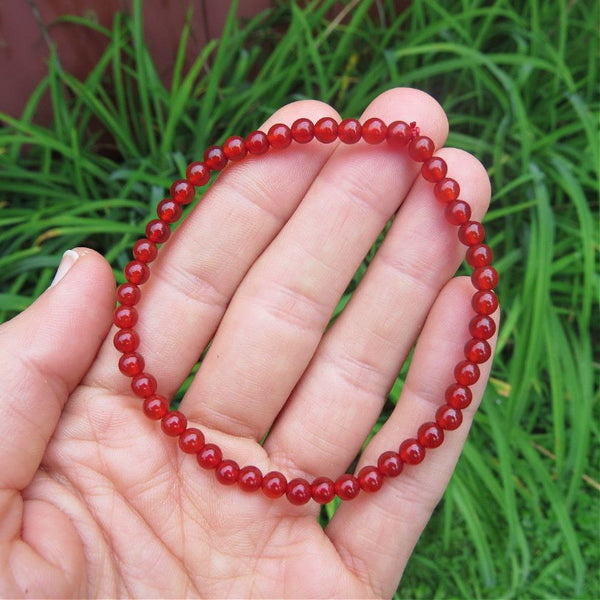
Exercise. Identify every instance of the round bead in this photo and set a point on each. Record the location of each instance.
(280, 136)
(125, 317)
(143, 385)
(349, 131)
(274, 484)
(131, 364)
(390, 464)
(198, 173)
(430, 435)
(145, 251)
(421, 148)
(458, 396)
(183, 191)
(484, 302)
(215, 158)
(155, 407)
(398, 134)
(210, 456)
(471, 233)
(411, 451)
(126, 340)
(466, 372)
(485, 278)
(235, 148)
(479, 255)
(128, 294)
(326, 130)
(137, 272)
(174, 423)
(303, 130)
(457, 212)
(322, 490)
(257, 142)
(434, 169)
(191, 441)
(158, 231)
(374, 131)
(347, 487)
(298, 491)
(370, 479)
(446, 190)
(169, 211)
(250, 478)
(482, 327)
(448, 417)
(228, 472)
(477, 351)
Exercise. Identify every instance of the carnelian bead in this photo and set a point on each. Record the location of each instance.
(322, 490)
(421, 148)
(137, 272)
(484, 302)
(326, 130)
(158, 231)
(250, 478)
(131, 364)
(303, 130)
(155, 407)
(128, 294)
(126, 340)
(411, 451)
(430, 435)
(479, 255)
(349, 131)
(280, 136)
(477, 351)
(144, 385)
(191, 441)
(347, 487)
(390, 464)
(370, 479)
(228, 472)
(471, 233)
(145, 251)
(485, 278)
(274, 484)
(235, 148)
(174, 423)
(125, 317)
(457, 212)
(374, 131)
(257, 142)
(466, 372)
(214, 158)
(434, 169)
(458, 396)
(446, 190)
(398, 134)
(298, 491)
(448, 417)
(210, 456)
(198, 173)
(169, 211)
(482, 327)
(183, 191)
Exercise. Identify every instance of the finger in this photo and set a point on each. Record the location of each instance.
(376, 533)
(343, 390)
(277, 317)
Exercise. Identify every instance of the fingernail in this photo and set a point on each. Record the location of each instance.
(68, 260)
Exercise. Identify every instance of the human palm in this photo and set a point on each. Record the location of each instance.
(94, 501)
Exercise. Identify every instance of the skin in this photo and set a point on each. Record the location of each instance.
(94, 501)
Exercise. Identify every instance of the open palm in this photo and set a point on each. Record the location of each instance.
(94, 501)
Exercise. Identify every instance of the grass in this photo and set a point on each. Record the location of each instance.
(519, 82)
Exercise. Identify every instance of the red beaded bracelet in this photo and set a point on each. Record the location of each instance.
(457, 396)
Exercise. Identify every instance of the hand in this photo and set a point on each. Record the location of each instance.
(95, 501)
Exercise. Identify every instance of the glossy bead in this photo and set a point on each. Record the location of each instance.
(482, 327)
(174, 423)
(191, 441)
(485, 278)
(198, 174)
(169, 211)
(421, 148)
(471, 233)
(370, 479)
(128, 294)
(274, 484)
(126, 340)
(228, 472)
(430, 435)
(298, 491)
(143, 385)
(326, 130)
(280, 136)
(484, 302)
(374, 131)
(125, 317)
(158, 231)
(390, 464)
(235, 148)
(457, 212)
(257, 142)
(398, 134)
(155, 407)
(458, 396)
(411, 451)
(214, 158)
(131, 364)
(210, 456)
(145, 251)
(479, 255)
(434, 169)
(448, 417)
(322, 490)
(137, 272)
(347, 487)
(446, 190)
(466, 372)
(477, 351)
(183, 191)
(349, 131)
(303, 130)
(250, 478)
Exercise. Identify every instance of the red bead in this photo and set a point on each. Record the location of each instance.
(347, 487)
(466, 372)
(183, 191)
(157, 231)
(274, 484)
(322, 490)
(448, 417)
(457, 212)
(298, 491)
(434, 169)
(257, 142)
(398, 134)
(479, 255)
(214, 158)
(126, 340)
(235, 148)
(125, 317)
(131, 364)
(430, 435)
(128, 294)
(210, 456)
(411, 451)
(326, 130)
(485, 278)
(155, 407)
(198, 174)
(374, 131)
(169, 211)
(191, 441)
(471, 233)
(349, 131)
(390, 464)
(458, 396)
(477, 351)
(484, 302)
(250, 478)
(280, 136)
(482, 327)
(228, 472)
(137, 272)
(421, 148)
(446, 190)
(370, 479)
(145, 251)
(174, 423)
(143, 385)
(303, 130)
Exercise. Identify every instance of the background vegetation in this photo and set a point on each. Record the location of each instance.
(519, 81)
